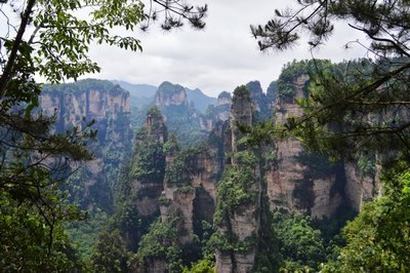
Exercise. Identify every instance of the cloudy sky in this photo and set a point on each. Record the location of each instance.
(221, 57)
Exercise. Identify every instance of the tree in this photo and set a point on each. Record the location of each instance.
(175, 12)
(202, 266)
(25, 242)
(378, 240)
(161, 242)
(51, 39)
(359, 105)
(384, 22)
(301, 246)
(358, 108)
(110, 255)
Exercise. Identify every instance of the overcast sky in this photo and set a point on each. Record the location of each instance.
(221, 57)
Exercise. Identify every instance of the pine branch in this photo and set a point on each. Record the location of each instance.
(8, 70)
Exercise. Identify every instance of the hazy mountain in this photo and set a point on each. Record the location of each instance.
(138, 90)
(200, 100)
(143, 95)
(181, 118)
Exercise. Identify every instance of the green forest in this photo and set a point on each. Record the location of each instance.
(310, 174)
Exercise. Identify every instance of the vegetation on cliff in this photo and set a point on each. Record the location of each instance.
(233, 189)
(161, 242)
(183, 166)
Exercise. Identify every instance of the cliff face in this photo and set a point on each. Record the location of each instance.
(169, 94)
(221, 112)
(148, 165)
(299, 181)
(89, 98)
(191, 122)
(275, 176)
(261, 101)
(199, 100)
(77, 104)
(185, 196)
(242, 115)
(271, 95)
(190, 190)
(238, 217)
(218, 114)
(360, 188)
(287, 177)
(144, 181)
(224, 98)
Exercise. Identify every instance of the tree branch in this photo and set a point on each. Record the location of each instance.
(365, 90)
(8, 70)
(373, 37)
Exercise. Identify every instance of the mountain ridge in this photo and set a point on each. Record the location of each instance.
(147, 92)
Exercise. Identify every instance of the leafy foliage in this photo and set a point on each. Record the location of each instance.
(149, 162)
(50, 39)
(110, 254)
(29, 245)
(378, 239)
(301, 246)
(202, 266)
(162, 242)
(84, 233)
(183, 167)
(233, 189)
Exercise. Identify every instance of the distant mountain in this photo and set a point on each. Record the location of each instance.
(143, 94)
(181, 118)
(138, 90)
(170, 94)
(200, 100)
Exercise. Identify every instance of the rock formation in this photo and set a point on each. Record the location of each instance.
(144, 180)
(76, 105)
(199, 100)
(224, 98)
(238, 213)
(181, 118)
(294, 180)
(256, 181)
(260, 100)
(300, 181)
(360, 188)
(186, 200)
(169, 94)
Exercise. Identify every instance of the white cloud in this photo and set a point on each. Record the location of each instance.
(221, 57)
